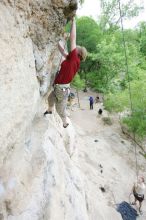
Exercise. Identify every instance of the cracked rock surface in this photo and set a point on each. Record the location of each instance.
(36, 173)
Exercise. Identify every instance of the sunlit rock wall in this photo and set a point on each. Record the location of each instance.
(37, 178)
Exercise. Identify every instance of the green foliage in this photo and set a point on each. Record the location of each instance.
(136, 123)
(88, 33)
(111, 14)
(120, 101)
(142, 36)
(143, 45)
(106, 66)
(78, 83)
(117, 101)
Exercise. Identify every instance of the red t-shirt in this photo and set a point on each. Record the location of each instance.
(69, 68)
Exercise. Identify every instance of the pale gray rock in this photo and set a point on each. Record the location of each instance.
(38, 180)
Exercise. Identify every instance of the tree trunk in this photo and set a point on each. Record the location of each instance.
(78, 98)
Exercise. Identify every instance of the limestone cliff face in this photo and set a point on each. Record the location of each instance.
(37, 178)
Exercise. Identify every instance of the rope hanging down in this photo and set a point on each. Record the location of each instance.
(129, 85)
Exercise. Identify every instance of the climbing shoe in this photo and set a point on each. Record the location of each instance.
(65, 126)
(47, 112)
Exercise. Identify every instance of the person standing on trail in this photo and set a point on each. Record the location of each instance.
(97, 100)
(91, 101)
(69, 68)
(138, 192)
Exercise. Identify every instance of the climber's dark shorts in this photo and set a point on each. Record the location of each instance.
(140, 198)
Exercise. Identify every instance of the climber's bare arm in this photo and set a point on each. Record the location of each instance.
(134, 187)
(73, 34)
(62, 50)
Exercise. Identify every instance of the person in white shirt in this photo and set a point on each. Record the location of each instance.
(138, 192)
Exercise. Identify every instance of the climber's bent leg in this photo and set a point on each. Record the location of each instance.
(51, 102)
(61, 94)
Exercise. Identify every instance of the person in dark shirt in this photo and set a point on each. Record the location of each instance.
(97, 100)
(91, 101)
(69, 68)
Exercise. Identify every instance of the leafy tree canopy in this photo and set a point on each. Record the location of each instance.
(88, 33)
(107, 69)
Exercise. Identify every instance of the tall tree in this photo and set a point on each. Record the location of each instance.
(111, 13)
(142, 36)
(88, 33)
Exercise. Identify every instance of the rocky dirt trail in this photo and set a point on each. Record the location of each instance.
(106, 159)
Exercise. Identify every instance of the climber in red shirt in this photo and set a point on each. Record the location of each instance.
(69, 67)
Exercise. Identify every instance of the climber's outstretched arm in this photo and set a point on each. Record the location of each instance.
(62, 50)
(73, 34)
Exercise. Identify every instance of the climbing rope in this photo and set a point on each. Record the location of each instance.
(129, 85)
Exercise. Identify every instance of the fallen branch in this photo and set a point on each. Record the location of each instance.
(133, 139)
